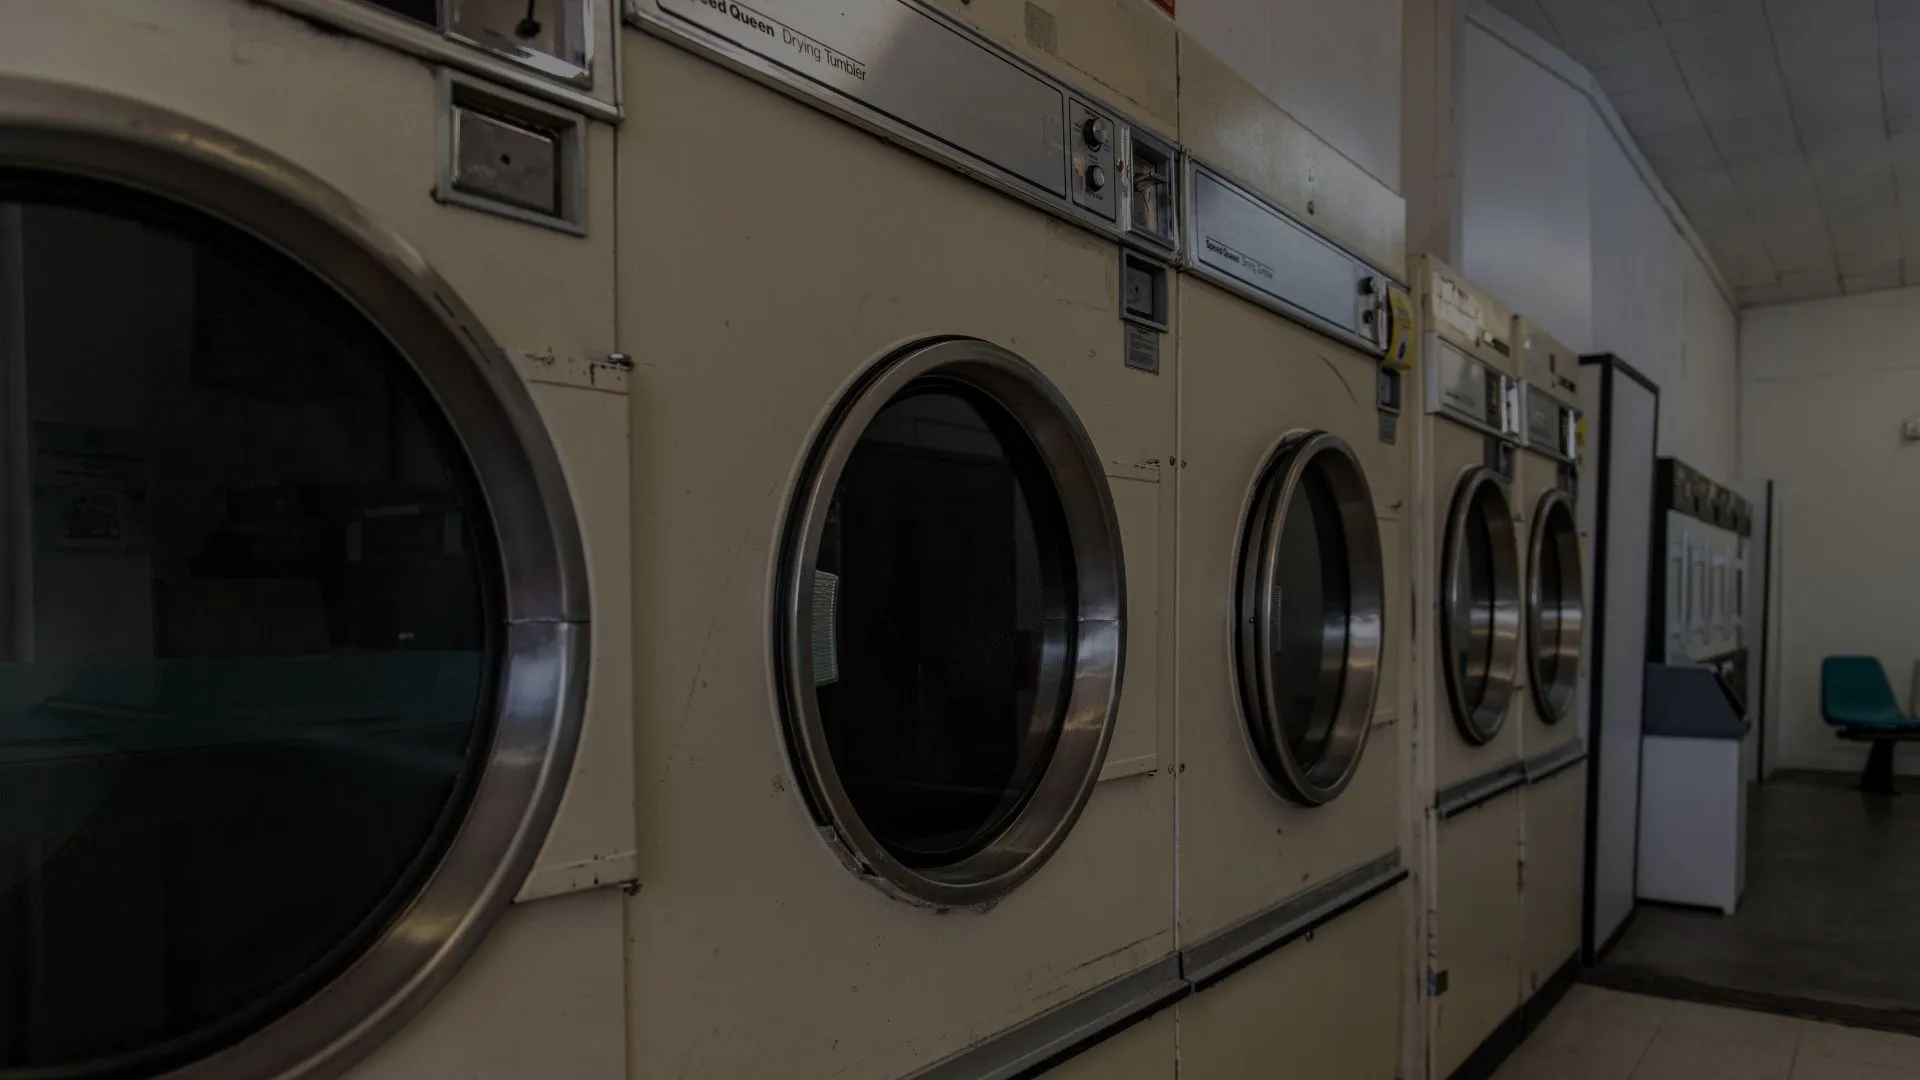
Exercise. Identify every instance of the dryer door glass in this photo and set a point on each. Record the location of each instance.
(1480, 600)
(1555, 608)
(950, 566)
(1309, 606)
(252, 608)
(952, 585)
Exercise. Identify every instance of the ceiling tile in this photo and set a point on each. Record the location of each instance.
(1860, 248)
(1600, 51)
(1744, 23)
(1800, 244)
(1826, 124)
(1853, 42)
(1756, 138)
(1900, 87)
(1680, 150)
(1731, 99)
(1786, 292)
(1740, 253)
(1886, 276)
(1900, 34)
(1776, 184)
(1578, 19)
(1904, 150)
(1788, 14)
(1669, 10)
(1854, 170)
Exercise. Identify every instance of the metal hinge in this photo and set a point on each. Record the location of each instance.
(1436, 983)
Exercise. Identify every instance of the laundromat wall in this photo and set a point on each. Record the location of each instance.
(685, 315)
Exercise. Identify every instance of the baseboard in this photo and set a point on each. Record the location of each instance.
(1494, 1050)
(1655, 984)
(1550, 992)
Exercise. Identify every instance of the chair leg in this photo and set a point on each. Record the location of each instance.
(1877, 778)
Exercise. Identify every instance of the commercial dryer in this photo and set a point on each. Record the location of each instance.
(1470, 599)
(1553, 813)
(313, 695)
(903, 422)
(1293, 628)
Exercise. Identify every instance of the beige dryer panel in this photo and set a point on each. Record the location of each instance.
(1228, 124)
(1546, 363)
(1464, 314)
(1324, 1006)
(1554, 846)
(1476, 927)
(753, 951)
(1249, 378)
(544, 996)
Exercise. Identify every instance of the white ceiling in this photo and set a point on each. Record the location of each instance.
(1789, 130)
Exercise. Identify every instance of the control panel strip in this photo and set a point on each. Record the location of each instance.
(1556, 760)
(1548, 425)
(1457, 799)
(1252, 248)
(889, 65)
(1466, 388)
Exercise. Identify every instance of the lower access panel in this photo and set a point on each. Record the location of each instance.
(1325, 1006)
(1555, 825)
(1476, 928)
(1144, 1051)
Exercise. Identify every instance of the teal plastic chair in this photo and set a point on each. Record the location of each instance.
(1857, 701)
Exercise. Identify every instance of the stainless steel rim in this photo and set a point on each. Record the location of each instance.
(1554, 659)
(1481, 493)
(1352, 672)
(542, 678)
(1090, 668)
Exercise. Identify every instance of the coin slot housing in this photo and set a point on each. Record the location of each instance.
(507, 154)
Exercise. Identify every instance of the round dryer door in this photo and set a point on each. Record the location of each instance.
(283, 707)
(1555, 608)
(1309, 617)
(952, 628)
(1480, 605)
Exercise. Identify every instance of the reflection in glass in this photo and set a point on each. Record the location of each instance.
(1472, 607)
(939, 671)
(1311, 598)
(1556, 601)
(246, 596)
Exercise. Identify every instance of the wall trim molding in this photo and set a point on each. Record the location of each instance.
(1511, 33)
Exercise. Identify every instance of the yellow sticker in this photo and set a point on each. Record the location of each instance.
(1399, 330)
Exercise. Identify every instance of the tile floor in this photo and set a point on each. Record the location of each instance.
(1597, 1034)
(1827, 916)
